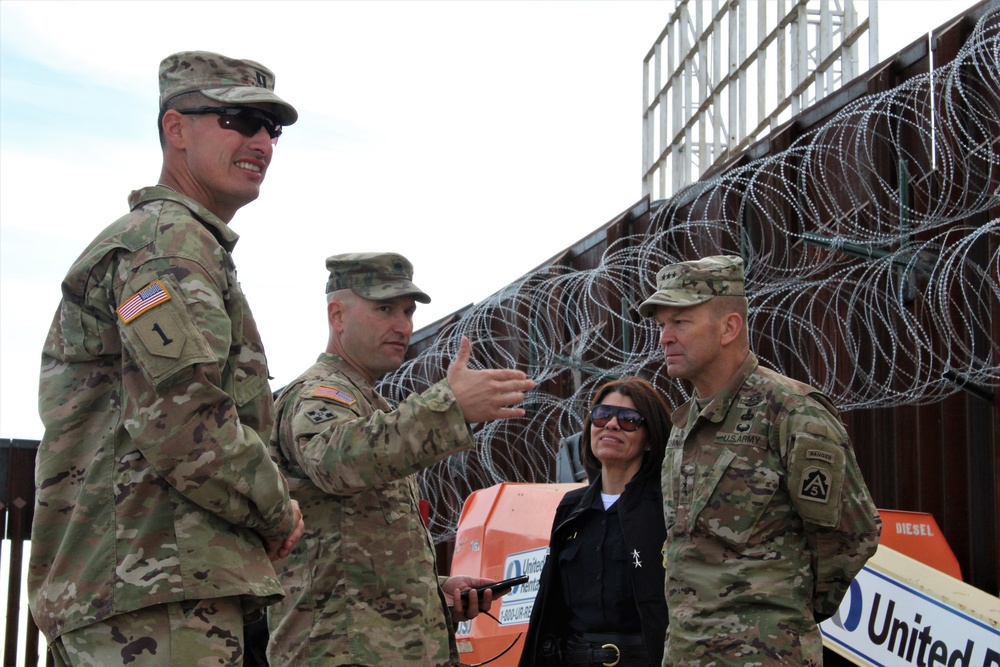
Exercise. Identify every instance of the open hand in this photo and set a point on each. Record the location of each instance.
(486, 394)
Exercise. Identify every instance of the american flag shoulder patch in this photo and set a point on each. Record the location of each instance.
(149, 296)
(333, 394)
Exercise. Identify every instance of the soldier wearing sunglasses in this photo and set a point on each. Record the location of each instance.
(600, 599)
(159, 511)
(768, 517)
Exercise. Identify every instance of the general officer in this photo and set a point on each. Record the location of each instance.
(158, 510)
(362, 586)
(768, 517)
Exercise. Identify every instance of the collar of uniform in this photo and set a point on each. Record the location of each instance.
(227, 237)
(365, 388)
(716, 410)
(347, 370)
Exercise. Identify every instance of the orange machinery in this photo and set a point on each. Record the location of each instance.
(917, 535)
(504, 532)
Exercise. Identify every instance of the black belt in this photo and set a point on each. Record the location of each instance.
(608, 650)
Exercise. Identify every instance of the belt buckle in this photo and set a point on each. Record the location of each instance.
(618, 655)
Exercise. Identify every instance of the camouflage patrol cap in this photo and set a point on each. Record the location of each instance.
(694, 282)
(222, 79)
(373, 275)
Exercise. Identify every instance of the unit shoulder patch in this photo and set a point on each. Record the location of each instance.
(320, 415)
(815, 479)
(815, 485)
(160, 331)
(333, 394)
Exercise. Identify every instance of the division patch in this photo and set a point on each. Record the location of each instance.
(320, 415)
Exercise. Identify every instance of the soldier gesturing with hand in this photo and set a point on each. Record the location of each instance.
(362, 585)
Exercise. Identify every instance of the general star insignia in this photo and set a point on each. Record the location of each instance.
(635, 558)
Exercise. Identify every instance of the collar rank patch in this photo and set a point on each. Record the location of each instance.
(149, 296)
(320, 415)
(333, 394)
(815, 485)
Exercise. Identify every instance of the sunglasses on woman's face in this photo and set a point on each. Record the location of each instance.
(628, 419)
(245, 120)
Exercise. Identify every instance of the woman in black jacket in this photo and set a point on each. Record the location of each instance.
(600, 599)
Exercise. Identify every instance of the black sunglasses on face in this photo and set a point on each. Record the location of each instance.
(245, 120)
(628, 419)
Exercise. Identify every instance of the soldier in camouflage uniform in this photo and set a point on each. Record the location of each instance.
(362, 587)
(768, 517)
(158, 510)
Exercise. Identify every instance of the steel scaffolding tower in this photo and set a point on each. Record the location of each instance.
(710, 63)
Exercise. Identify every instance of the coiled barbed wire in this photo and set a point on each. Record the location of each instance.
(873, 279)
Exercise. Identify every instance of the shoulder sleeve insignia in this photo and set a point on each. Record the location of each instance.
(333, 394)
(320, 415)
(816, 479)
(148, 297)
(816, 485)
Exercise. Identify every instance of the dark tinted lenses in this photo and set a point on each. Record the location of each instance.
(245, 120)
(628, 419)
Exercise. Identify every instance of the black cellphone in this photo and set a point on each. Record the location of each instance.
(504, 585)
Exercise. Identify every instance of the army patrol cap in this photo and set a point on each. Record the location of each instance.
(373, 275)
(694, 282)
(223, 79)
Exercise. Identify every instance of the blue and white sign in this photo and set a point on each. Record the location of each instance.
(885, 621)
(516, 607)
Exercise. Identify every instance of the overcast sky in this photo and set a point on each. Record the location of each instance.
(477, 138)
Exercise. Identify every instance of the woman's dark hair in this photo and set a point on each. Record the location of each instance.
(651, 405)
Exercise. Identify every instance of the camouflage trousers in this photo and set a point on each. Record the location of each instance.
(191, 633)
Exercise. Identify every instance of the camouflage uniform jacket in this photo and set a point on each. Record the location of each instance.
(361, 586)
(153, 483)
(768, 520)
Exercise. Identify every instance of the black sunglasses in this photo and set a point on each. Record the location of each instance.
(245, 120)
(628, 419)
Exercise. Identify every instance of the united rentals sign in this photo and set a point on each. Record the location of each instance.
(900, 612)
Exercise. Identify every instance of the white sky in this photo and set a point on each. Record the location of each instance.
(476, 138)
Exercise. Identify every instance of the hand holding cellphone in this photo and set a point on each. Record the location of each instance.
(504, 586)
